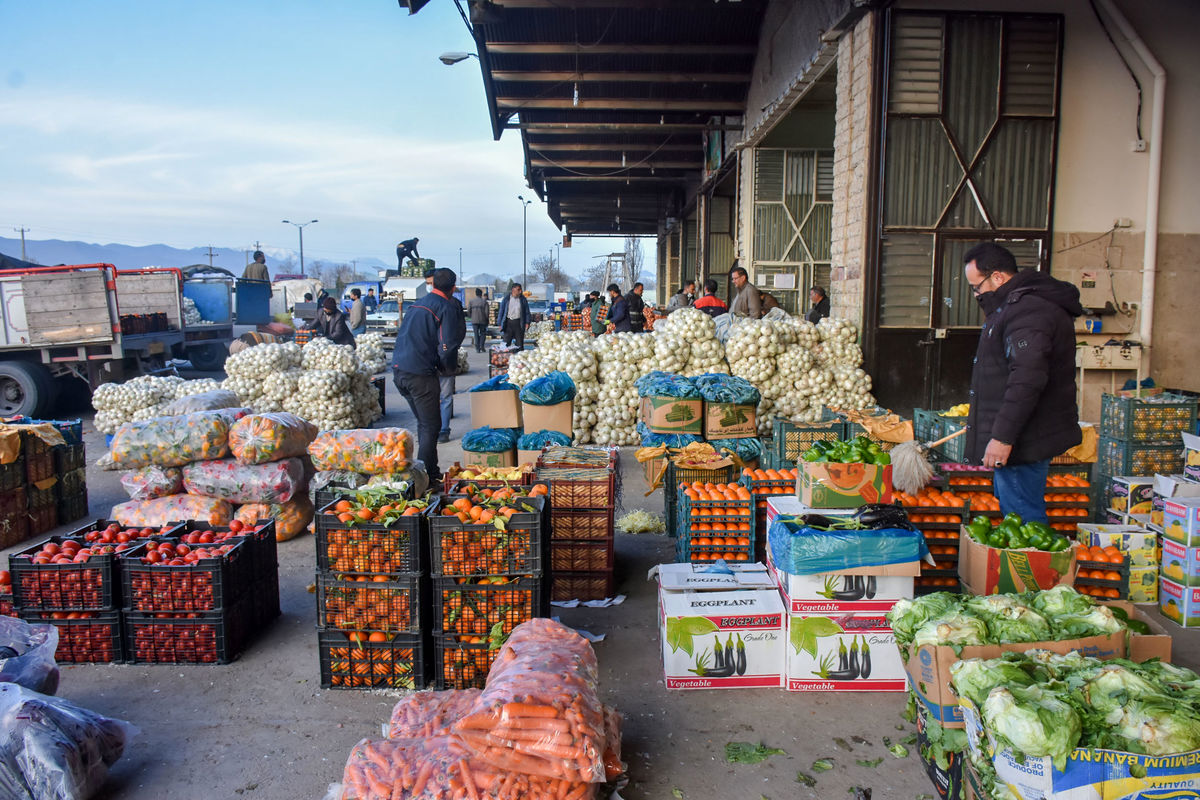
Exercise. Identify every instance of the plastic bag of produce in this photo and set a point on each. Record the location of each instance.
(273, 482)
(747, 448)
(539, 713)
(415, 476)
(171, 441)
(675, 440)
(540, 439)
(800, 550)
(291, 518)
(151, 482)
(204, 401)
(371, 451)
(426, 714)
(718, 388)
(498, 383)
(666, 384)
(557, 387)
(489, 440)
(260, 438)
(51, 749)
(441, 767)
(27, 655)
(176, 508)
(335, 479)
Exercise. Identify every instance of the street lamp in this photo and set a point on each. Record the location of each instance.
(452, 58)
(460, 275)
(524, 238)
(300, 227)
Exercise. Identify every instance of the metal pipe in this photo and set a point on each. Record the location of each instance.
(1153, 178)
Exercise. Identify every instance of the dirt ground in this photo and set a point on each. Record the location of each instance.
(262, 727)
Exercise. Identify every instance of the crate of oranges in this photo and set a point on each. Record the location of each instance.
(1068, 501)
(463, 662)
(716, 520)
(764, 484)
(1103, 572)
(939, 515)
(487, 536)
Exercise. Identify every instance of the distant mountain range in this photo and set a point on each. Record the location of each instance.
(54, 251)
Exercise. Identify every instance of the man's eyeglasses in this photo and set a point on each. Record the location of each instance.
(982, 281)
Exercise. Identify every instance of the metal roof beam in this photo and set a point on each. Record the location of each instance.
(552, 48)
(623, 178)
(610, 163)
(621, 77)
(572, 128)
(621, 104)
(580, 147)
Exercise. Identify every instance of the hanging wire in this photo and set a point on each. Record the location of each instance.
(1128, 68)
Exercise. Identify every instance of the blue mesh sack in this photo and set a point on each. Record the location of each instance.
(489, 440)
(557, 387)
(666, 384)
(747, 448)
(496, 384)
(652, 439)
(717, 388)
(540, 439)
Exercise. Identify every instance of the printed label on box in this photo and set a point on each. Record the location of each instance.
(832, 592)
(1133, 495)
(1180, 563)
(843, 653)
(729, 421)
(1179, 603)
(722, 640)
(1181, 520)
(1143, 584)
(827, 484)
(673, 415)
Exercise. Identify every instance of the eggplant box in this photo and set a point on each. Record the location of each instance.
(786, 505)
(497, 409)
(993, 570)
(722, 640)
(928, 666)
(859, 590)
(829, 484)
(842, 653)
(1090, 774)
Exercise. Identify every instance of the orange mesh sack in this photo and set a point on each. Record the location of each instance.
(260, 438)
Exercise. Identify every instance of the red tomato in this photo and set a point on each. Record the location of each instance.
(237, 526)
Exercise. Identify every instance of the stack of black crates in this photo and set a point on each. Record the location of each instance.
(582, 556)
(1141, 437)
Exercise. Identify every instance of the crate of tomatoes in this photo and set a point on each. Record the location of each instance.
(213, 637)
(264, 584)
(65, 574)
(359, 660)
(166, 575)
(84, 637)
(373, 532)
(487, 536)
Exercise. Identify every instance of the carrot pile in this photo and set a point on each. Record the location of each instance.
(537, 731)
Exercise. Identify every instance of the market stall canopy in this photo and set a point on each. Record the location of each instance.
(615, 99)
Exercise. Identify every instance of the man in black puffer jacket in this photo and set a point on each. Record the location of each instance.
(1023, 410)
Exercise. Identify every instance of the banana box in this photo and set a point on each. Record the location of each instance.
(1143, 584)
(1132, 495)
(1179, 603)
(1181, 520)
(1136, 542)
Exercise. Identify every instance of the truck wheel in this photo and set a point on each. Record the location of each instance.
(25, 388)
(208, 357)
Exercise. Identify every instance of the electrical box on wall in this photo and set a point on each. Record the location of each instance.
(1095, 287)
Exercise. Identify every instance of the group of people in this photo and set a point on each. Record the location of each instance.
(749, 301)
(342, 327)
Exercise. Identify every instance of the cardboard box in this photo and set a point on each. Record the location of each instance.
(928, 667)
(1181, 520)
(1089, 774)
(558, 417)
(673, 415)
(505, 458)
(814, 651)
(1116, 518)
(528, 456)
(498, 409)
(1143, 585)
(653, 468)
(947, 783)
(694, 578)
(831, 485)
(1180, 563)
(729, 421)
(1191, 456)
(1132, 495)
(854, 590)
(991, 570)
(693, 624)
(1179, 603)
(1166, 487)
(1138, 543)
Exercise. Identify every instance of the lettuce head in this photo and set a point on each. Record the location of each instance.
(974, 678)
(956, 630)
(1097, 621)
(907, 616)
(1059, 601)
(1034, 721)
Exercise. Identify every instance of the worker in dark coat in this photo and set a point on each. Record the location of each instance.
(426, 348)
(820, 305)
(1023, 410)
(331, 323)
(407, 249)
(618, 315)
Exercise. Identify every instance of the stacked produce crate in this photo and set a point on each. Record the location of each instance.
(373, 593)
(41, 491)
(939, 515)
(1068, 493)
(498, 357)
(46, 485)
(1141, 437)
(583, 497)
(488, 548)
(763, 485)
(677, 478)
(716, 521)
(70, 463)
(790, 441)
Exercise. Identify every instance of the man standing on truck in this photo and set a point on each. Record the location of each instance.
(256, 270)
(407, 249)
(427, 347)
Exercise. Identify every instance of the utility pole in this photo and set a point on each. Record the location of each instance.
(22, 231)
(460, 277)
(354, 267)
(211, 255)
(524, 241)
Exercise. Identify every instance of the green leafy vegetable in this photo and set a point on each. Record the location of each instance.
(747, 753)
(822, 765)
(1033, 721)
(806, 779)
(869, 763)
(676, 793)
(898, 750)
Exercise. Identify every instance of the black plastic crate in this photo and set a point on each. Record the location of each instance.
(40, 497)
(461, 549)
(69, 457)
(210, 638)
(790, 441)
(71, 509)
(265, 595)
(400, 605)
(582, 585)
(676, 475)
(264, 548)
(12, 476)
(207, 584)
(462, 662)
(473, 608)
(927, 424)
(366, 548)
(353, 661)
(39, 458)
(14, 528)
(1158, 419)
(1120, 457)
(87, 586)
(84, 637)
(43, 520)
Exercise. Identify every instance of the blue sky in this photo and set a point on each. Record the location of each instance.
(191, 124)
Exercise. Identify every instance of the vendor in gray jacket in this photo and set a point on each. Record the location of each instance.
(683, 298)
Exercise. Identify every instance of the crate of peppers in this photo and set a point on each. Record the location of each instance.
(844, 474)
(1013, 556)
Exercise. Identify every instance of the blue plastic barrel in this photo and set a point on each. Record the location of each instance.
(253, 302)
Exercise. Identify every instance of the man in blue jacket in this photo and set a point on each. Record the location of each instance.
(618, 315)
(513, 316)
(427, 347)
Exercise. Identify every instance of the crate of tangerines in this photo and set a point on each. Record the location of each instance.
(489, 532)
(939, 515)
(1103, 572)
(371, 532)
(716, 521)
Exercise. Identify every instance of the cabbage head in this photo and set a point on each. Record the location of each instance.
(956, 630)
(974, 678)
(907, 616)
(1033, 721)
